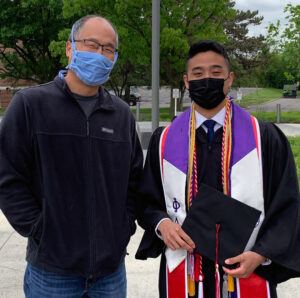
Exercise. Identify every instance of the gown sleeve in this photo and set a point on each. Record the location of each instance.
(151, 203)
(279, 236)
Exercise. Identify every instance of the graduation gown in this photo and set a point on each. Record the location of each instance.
(279, 236)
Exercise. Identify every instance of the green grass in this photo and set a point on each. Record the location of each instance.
(286, 117)
(2, 111)
(260, 96)
(295, 144)
(145, 114)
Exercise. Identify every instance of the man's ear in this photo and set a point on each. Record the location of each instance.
(186, 81)
(231, 78)
(68, 50)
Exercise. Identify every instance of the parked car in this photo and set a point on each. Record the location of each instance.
(290, 91)
(132, 97)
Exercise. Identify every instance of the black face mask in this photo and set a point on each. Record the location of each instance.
(207, 93)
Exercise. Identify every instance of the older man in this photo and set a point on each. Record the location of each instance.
(70, 159)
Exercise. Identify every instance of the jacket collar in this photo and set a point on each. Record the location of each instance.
(105, 101)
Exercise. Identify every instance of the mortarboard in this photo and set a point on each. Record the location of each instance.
(235, 221)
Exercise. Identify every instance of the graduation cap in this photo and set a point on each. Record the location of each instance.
(219, 224)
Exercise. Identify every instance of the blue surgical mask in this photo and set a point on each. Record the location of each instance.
(93, 69)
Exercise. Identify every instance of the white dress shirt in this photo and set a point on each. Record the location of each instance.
(219, 118)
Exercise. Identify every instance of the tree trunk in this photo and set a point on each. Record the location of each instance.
(181, 94)
(172, 104)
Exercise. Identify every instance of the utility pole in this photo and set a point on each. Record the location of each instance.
(155, 62)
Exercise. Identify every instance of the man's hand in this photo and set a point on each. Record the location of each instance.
(247, 263)
(174, 237)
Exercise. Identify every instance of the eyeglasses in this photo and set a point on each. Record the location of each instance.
(95, 46)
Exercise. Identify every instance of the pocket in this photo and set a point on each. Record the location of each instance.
(64, 232)
(38, 230)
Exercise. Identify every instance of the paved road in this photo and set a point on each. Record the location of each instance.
(165, 93)
(287, 105)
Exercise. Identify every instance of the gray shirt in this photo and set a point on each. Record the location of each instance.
(87, 103)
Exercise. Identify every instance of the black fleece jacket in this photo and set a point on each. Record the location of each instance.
(68, 182)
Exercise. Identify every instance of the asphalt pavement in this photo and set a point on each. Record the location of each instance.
(165, 95)
(286, 105)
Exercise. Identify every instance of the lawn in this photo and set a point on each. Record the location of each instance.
(260, 96)
(145, 114)
(295, 144)
(286, 117)
(2, 111)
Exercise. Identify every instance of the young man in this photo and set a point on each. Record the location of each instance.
(220, 194)
(70, 161)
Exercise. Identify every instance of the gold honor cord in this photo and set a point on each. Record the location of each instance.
(226, 159)
(192, 144)
(192, 147)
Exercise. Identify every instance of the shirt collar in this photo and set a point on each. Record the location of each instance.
(219, 118)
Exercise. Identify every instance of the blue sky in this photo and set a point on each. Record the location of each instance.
(271, 10)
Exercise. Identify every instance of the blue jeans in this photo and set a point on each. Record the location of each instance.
(42, 284)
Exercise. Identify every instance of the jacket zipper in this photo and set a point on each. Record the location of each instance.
(91, 214)
(88, 127)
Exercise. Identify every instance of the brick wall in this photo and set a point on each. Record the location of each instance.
(8, 87)
(5, 97)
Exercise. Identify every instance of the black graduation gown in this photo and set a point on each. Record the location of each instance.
(279, 236)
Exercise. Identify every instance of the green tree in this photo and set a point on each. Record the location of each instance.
(26, 30)
(240, 45)
(285, 45)
(183, 23)
(131, 18)
(246, 51)
(275, 72)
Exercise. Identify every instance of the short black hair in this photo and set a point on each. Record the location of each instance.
(208, 45)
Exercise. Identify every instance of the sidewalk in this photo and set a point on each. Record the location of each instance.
(141, 275)
(290, 129)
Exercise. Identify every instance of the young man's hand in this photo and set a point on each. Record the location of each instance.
(174, 236)
(247, 262)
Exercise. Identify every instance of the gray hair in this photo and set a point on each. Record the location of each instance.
(77, 26)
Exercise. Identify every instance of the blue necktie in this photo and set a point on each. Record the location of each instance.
(210, 129)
